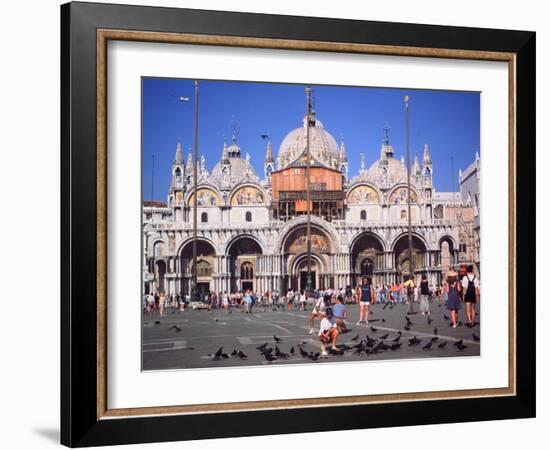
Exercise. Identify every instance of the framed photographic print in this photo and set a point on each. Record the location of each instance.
(279, 220)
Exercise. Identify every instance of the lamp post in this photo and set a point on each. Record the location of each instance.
(411, 261)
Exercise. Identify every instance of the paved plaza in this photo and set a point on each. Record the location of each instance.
(202, 333)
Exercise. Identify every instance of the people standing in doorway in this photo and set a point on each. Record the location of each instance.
(470, 290)
(366, 296)
(453, 297)
(424, 295)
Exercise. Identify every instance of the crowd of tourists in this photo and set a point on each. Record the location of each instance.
(329, 305)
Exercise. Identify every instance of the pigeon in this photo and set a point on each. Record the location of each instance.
(355, 338)
(313, 356)
(414, 341)
(157, 322)
(336, 351)
(267, 350)
(457, 343)
(234, 352)
(344, 347)
(374, 330)
(384, 320)
(241, 355)
(370, 340)
(395, 346)
(435, 330)
(262, 347)
(407, 328)
(229, 312)
(280, 354)
(303, 352)
(269, 357)
(461, 346)
(224, 355)
(385, 306)
(443, 344)
(446, 317)
(476, 337)
(176, 327)
(397, 338)
(429, 320)
(216, 319)
(382, 346)
(292, 350)
(276, 339)
(428, 346)
(434, 339)
(409, 322)
(385, 336)
(217, 354)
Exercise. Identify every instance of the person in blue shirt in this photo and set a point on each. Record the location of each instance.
(366, 297)
(340, 313)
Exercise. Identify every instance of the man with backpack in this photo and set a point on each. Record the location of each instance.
(470, 289)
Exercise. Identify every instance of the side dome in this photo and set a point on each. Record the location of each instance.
(232, 169)
(323, 146)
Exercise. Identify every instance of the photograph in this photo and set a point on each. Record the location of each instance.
(307, 224)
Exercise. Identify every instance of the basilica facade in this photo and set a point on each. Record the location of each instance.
(252, 230)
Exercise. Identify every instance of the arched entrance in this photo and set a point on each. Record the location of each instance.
(296, 260)
(298, 280)
(243, 258)
(206, 266)
(402, 260)
(367, 259)
(447, 255)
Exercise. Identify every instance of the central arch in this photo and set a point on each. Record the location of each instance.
(367, 258)
(206, 265)
(294, 247)
(242, 253)
(402, 260)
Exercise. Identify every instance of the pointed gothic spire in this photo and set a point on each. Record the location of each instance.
(343, 156)
(269, 152)
(426, 160)
(178, 159)
(416, 167)
(189, 165)
(225, 153)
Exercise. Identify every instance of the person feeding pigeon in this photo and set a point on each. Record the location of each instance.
(328, 332)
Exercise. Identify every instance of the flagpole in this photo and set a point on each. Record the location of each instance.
(308, 160)
(194, 290)
(411, 261)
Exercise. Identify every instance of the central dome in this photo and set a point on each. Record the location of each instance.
(323, 146)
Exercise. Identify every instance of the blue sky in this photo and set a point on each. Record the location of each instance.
(447, 121)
